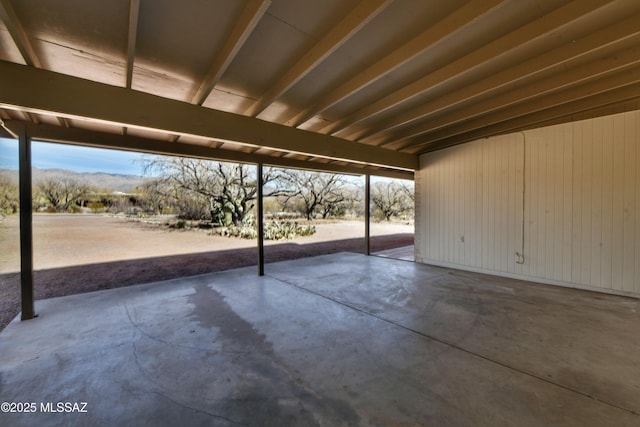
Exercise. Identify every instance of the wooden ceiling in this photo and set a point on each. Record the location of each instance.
(365, 84)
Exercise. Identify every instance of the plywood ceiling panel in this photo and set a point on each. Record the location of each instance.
(409, 76)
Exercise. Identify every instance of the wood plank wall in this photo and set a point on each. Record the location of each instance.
(580, 222)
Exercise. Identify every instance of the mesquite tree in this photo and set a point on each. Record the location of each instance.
(318, 192)
(62, 192)
(9, 197)
(391, 198)
(227, 190)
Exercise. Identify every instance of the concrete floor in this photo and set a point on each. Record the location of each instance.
(405, 253)
(333, 340)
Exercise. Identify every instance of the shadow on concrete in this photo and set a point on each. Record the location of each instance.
(70, 280)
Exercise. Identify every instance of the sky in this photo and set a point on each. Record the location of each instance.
(74, 158)
(46, 155)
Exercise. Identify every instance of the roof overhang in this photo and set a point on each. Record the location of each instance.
(363, 84)
(40, 91)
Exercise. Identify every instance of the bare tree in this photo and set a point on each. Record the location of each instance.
(391, 198)
(409, 190)
(226, 188)
(318, 192)
(156, 196)
(9, 198)
(62, 192)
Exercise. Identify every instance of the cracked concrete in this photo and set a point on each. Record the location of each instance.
(333, 340)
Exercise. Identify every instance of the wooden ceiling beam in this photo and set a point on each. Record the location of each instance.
(586, 90)
(244, 26)
(134, 12)
(591, 44)
(577, 75)
(400, 56)
(132, 35)
(18, 33)
(340, 33)
(23, 43)
(43, 132)
(528, 121)
(553, 22)
(40, 91)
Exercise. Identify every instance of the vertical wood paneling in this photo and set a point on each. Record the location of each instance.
(511, 195)
(430, 200)
(496, 202)
(547, 249)
(586, 134)
(419, 214)
(503, 210)
(467, 173)
(432, 185)
(519, 201)
(550, 189)
(528, 214)
(449, 214)
(439, 245)
(567, 166)
(538, 184)
(596, 207)
(441, 249)
(617, 190)
(541, 203)
(490, 189)
(607, 201)
(582, 201)
(557, 178)
(462, 205)
(637, 211)
(450, 217)
(479, 199)
(487, 219)
(557, 199)
(577, 194)
(631, 200)
(587, 138)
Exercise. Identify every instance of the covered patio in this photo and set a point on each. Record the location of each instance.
(518, 120)
(341, 339)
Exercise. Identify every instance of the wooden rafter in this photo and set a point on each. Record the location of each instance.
(554, 22)
(18, 33)
(573, 49)
(92, 138)
(398, 57)
(22, 42)
(246, 23)
(359, 16)
(625, 60)
(35, 90)
(134, 11)
(526, 121)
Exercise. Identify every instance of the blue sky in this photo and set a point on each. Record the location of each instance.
(77, 159)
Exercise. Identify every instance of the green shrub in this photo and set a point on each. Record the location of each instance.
(243, 232)
(274, 230)
(97, 207)
(181, 224)
(286, 230)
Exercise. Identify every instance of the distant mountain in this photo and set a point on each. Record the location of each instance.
(98, 180)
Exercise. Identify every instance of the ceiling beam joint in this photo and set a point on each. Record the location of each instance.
(244, 26)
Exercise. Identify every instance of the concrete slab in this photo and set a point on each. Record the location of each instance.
(335, 340)
(405, 253)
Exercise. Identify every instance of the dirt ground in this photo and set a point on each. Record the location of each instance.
(83, 253)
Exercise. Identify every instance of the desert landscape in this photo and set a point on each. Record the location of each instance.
(83, 253)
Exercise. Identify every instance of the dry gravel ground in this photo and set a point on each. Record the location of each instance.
(83, 253)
